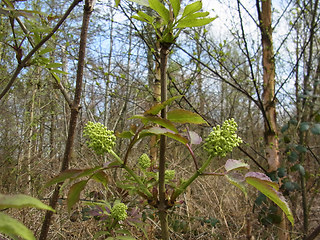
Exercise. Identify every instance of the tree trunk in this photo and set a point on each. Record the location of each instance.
(88, 8)
(269, 101)
(270, 122)
(30, 147)
(107, 82)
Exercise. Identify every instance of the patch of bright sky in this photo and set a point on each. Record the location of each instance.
(228, 19)
(228, 22)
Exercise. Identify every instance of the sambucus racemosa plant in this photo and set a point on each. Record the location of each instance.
(157, 186)
(143, 179)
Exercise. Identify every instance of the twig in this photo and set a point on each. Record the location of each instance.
(36, 48)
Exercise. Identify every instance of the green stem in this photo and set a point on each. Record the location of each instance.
(184, 185)
(114, 223)
(135, 176)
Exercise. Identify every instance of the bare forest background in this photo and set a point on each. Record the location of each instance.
(217, 68)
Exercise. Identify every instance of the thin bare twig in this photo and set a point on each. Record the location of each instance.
(36, 48)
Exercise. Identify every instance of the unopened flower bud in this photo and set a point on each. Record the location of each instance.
(222, 139)
(169, 174)
(119, 211)
(101, 140)
(144, 161)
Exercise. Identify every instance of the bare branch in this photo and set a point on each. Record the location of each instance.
(36, 48)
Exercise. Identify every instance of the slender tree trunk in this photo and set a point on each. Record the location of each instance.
(52, 132)
(269, 101)
(106, 94)
(88, 8)
(127, 87)
(30, 146)
(270, 122)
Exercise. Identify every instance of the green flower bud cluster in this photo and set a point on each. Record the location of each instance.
(169, 174)
(144, 161)
(119, 211)
(222, 139)
(101, 139)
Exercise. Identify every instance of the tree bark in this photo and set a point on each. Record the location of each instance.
(270, 121)
(88, 8)
(269, 101)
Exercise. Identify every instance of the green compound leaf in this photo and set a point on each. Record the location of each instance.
(58, 71)
(184, 116)
(145, 16)
(175, 7)
(125, 134)
(154, 110)
(157, 130)
(72, 174)
(13, 228)
(101, 177)
(192, 8)
(63, 176)
(177, 137)
(166, 132)
(21, 201)
(86, 172)
(74, 193)
(196, 15)
(158, 120)
(194, 22)
(316, 129)
(162, 122)
(56, 77)
(54, 65)
(237, 180)
(140, 18)
(232, 165)
(160, 9)
(9, 3)
(46, 50)
(263, 183)
(261, 178)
